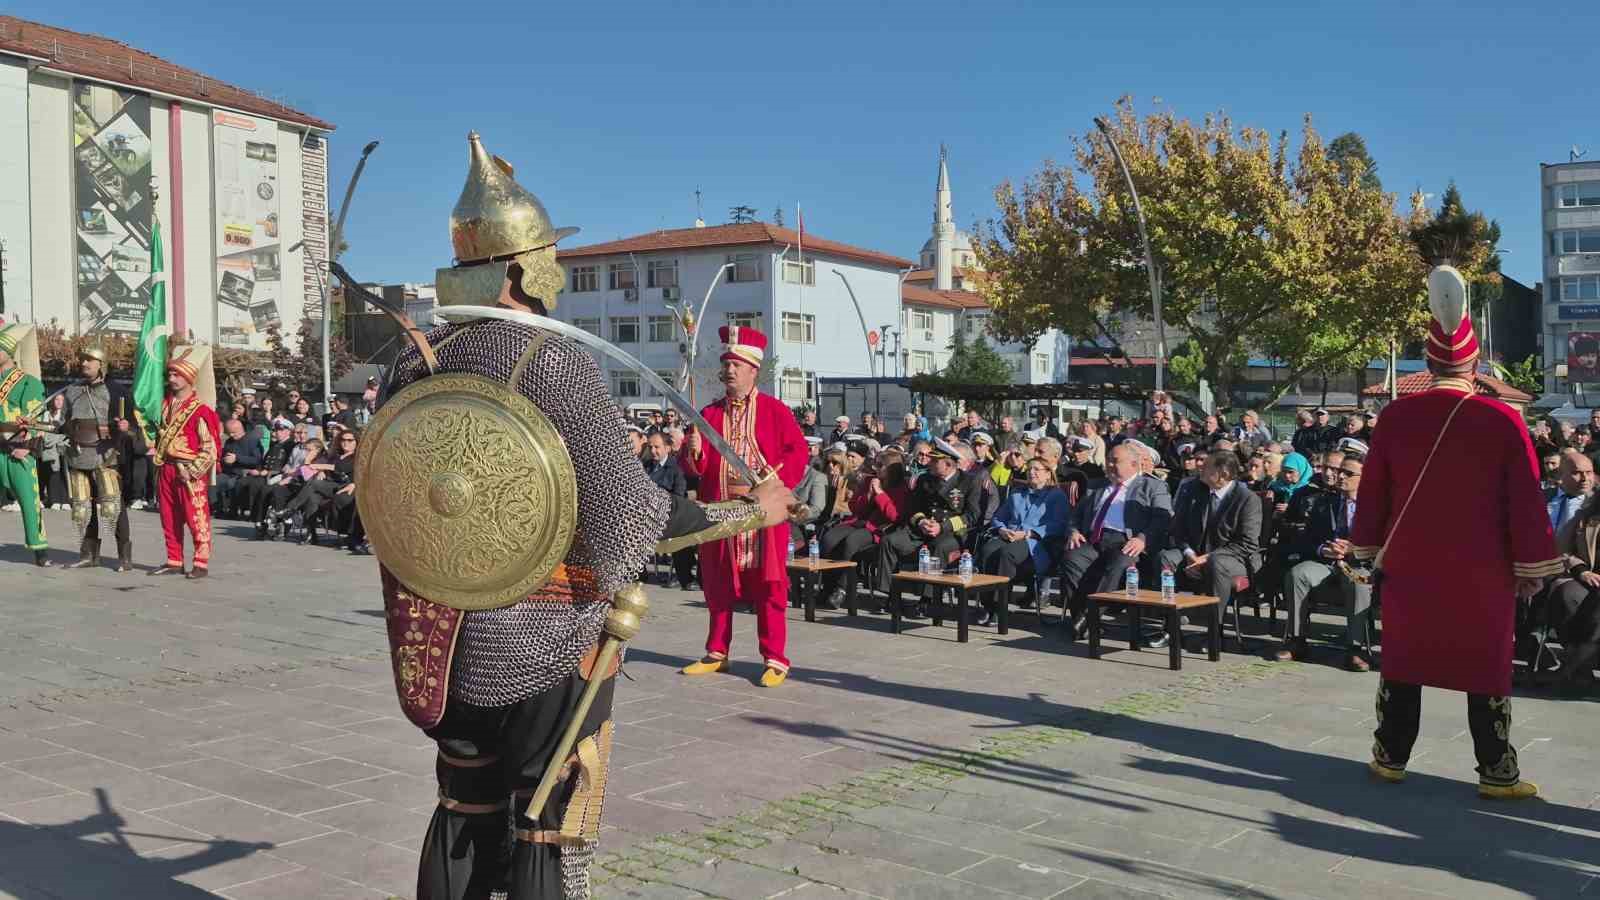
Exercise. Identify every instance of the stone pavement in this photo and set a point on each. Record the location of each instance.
(239, 737)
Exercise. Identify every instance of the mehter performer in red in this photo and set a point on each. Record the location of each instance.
(186, 453)
(751, 567)
(1450, 561)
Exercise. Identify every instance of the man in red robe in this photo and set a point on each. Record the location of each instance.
(1454, 537)
(185, 455)
(751, 567)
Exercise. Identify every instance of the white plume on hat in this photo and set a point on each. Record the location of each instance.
(1447, 297)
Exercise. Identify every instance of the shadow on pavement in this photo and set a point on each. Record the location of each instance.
(1547, 849)
(92, 856)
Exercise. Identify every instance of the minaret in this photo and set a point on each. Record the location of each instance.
(944, 230)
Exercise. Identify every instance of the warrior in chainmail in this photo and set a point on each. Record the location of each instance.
(496, 687)
(93, 483)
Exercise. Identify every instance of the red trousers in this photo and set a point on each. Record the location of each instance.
(771, 602)
(183, 502)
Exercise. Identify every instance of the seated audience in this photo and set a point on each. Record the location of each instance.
(1021, 538)
(1218, 537)
(1120, 523)
(1327, 565)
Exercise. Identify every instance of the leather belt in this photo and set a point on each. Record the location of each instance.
(456, 806)
(474, 763)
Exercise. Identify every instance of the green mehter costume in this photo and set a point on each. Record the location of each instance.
(21, 397)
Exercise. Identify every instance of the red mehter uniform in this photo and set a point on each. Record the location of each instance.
(1477, 523)
(186, 454)
(749, 568)
(1449, 511)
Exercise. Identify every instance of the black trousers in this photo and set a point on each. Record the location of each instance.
(138, 484)
(998, 556)
(494, 756)
(309, 499)
(1488, 718)
(846, 543)
(52, 483)
(253, 495)
(225, 493)
(1094, 568)
(897, 552)
(683, 565)
(1575, 609)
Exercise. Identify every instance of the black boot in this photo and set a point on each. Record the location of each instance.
(41, 558)
(88, 555)
(125, 557)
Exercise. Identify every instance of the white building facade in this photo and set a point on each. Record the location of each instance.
(1570, 216)
(102, 144)
(634, 293)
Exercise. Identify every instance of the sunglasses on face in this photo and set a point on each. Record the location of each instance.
(1346, 473)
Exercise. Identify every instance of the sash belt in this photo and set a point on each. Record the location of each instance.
(456, 806)
(546, 836)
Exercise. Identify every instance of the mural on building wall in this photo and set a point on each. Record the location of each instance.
(249, 251)
(1583, 356)
(111, 168)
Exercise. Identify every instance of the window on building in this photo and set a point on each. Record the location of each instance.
(662, 330)
(619, 276)
(921, 362)
(590, 325)
(796, 386)
(1041, 365)
(625, 330)
(746, 267)
(799, 329)
(1583, 287)
(921, 320)
(585, 279)
(667, 375)
(1575, 240)
(800, 273)
(662, 272)
(745, 319)
(624, 384)
(1583, 193)
(974, 324)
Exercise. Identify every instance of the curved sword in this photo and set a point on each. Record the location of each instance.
(711, 435)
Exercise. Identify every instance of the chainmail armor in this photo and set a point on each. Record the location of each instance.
(508, 654)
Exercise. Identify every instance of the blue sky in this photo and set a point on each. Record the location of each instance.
(615, 113)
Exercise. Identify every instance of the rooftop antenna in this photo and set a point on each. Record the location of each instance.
(699, 217)
(1575, 154)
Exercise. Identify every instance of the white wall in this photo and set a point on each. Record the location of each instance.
(54, 263)
(199, 226)
(14, 230)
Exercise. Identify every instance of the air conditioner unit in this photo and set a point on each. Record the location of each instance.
(630, 294)
(669, 294)
(927, 335)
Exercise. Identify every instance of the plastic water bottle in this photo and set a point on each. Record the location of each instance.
(1132, 580)
(924, 562)
(790, 556)
(1169, 585)
(966, 566)
(813, 551)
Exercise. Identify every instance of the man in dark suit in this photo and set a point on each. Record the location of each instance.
(1218, 538)
(938, 516)
(1116, 525)
(664, 470)
(1326, 565)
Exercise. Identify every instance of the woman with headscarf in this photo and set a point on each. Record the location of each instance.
(1294, 476)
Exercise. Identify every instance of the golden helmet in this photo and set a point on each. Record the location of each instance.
(497, 219)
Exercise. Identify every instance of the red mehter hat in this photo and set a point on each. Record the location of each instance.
(1451, 340)
(743, 344)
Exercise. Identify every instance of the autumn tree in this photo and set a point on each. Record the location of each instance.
(1257, 250)
(301, 366)
(1349, 152)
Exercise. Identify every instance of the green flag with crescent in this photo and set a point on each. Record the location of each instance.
(150, 358)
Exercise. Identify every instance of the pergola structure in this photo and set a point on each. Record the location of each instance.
(1101, 392)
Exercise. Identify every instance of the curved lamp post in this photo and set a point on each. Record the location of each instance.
(1149, 257)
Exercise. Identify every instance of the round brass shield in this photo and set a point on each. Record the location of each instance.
(466, 491)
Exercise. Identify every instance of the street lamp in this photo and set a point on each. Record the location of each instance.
(335, 247)
(866, 334)
(1149, 257)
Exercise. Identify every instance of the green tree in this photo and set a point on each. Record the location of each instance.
(302, 367)
(1349, 152)
(1466, 240)
(976, 362)
(1527, 375)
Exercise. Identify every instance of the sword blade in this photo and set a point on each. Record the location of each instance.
(711, 435)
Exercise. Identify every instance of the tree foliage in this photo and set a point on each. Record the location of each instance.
(1527, 375)
(301, 367)
(1259, 250)
(976, 362)
(1349, 152)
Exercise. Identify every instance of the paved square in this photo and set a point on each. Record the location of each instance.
(239, 737)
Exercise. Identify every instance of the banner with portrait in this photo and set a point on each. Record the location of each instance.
(112, 205)
(1583, 356)
(249, 250)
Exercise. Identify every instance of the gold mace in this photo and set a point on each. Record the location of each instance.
(622, 623)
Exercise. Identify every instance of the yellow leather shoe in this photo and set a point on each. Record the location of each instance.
(1384, 773)
(706, 666)
(773, 677)
(1522, 790)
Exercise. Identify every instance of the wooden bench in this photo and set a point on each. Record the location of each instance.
(977, 585)
(805, 576)
(1172, 609)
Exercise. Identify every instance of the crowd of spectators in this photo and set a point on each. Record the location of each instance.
(1227, 507)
